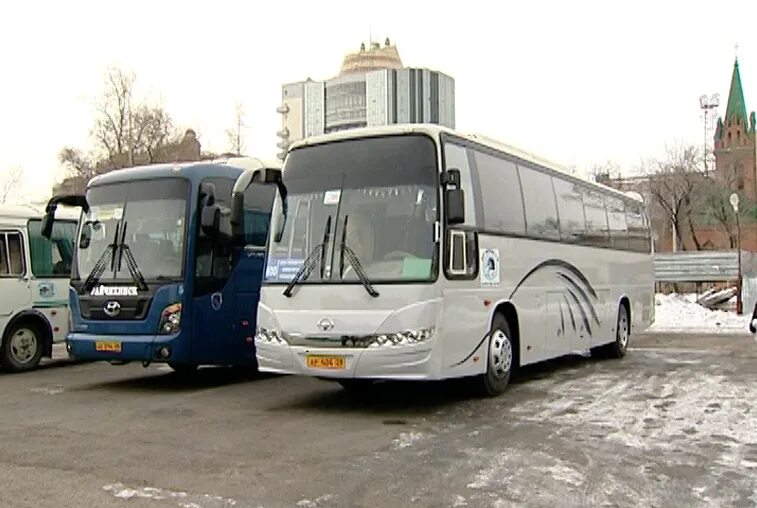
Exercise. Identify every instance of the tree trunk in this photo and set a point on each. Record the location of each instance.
(697, 244)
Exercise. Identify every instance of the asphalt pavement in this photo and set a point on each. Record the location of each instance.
(672, 424)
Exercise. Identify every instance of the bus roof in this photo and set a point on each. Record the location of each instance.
(435, 131)
(193, 171)
(36, 211)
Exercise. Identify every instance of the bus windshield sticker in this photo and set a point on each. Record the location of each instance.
(490, 268)
(416, 268)
(283, 269)
(332, 197)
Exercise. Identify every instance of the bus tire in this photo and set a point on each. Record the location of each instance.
(22, 346)
(500, 357)
(619, 347)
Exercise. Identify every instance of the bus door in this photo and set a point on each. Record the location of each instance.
(250, 260)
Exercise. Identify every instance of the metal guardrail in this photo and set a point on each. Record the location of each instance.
(701, 266)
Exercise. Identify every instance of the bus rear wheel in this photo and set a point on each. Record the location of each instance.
(22, 346)
(500, 357)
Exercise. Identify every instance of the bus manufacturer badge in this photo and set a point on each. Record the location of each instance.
(112, 308)
(490, 268)
(325, 324)
(216, 300)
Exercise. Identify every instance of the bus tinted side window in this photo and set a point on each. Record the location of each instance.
(638, 234)
(213, 257)
(541, 210)
(596, 219)
(616, 218)
(456, 157)
(51, 258)
(570, 208)
(258, 201)
(500, 194)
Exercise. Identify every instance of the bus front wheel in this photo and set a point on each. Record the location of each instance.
(500, 357)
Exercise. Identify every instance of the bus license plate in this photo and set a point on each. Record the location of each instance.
(326, 362)
(108, 347)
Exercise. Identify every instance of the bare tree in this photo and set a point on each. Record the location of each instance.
(718, 209)
(130, 132)
(234, 135)
(113, 126)
(76, 163)
(674, 184)
(152, 130)
(9, 183)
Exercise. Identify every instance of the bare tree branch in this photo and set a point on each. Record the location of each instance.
(9, 181)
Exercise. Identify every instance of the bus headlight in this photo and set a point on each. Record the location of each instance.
(170, 319)
(270, 336)
(406, 338)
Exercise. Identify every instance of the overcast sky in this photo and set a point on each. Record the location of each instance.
(578, 82)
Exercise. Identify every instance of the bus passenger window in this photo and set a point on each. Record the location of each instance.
(4, 268)
(15, 254)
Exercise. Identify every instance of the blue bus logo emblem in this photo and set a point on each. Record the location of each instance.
(216, 301)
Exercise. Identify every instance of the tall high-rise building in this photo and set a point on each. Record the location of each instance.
(372, 88)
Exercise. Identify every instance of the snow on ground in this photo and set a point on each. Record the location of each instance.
(679, 313)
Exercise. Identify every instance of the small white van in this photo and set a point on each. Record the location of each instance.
(34, 281)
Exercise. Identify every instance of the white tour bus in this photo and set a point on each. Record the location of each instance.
(417, 253)
(34, 278)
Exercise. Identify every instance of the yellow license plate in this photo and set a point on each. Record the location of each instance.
(108, 347)
(326, 362)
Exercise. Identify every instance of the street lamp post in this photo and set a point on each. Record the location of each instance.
(734, 199)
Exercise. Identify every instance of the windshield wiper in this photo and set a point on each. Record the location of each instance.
(309, 263)
(131, 263)
(99, 268)
(355, 262)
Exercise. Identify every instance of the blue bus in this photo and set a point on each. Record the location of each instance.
(159, 273)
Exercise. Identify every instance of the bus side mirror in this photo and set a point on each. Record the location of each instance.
(455, 197)
(86, 236)
(47, 224)
(211, 220)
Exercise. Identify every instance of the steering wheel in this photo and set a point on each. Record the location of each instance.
(398, 254)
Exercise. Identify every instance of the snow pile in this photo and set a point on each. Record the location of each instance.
(677, 313)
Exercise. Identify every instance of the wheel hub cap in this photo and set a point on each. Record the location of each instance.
(500, 354)
(623, 331)
(23, 345)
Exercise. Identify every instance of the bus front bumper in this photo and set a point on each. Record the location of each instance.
(126, 348)
(400, 363)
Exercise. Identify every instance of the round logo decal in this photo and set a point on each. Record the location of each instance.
(216, 301)
(490, 267)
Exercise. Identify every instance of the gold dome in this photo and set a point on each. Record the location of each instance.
(374, 58)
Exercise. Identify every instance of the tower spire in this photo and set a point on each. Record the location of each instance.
(736, 109)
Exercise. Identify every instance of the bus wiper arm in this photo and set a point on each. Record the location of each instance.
(355, 262)
(102, 262)
(134, 270)
(310, 261)
(131, 263)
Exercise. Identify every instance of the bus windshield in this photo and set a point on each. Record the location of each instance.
(146, 217)
(384, 189)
